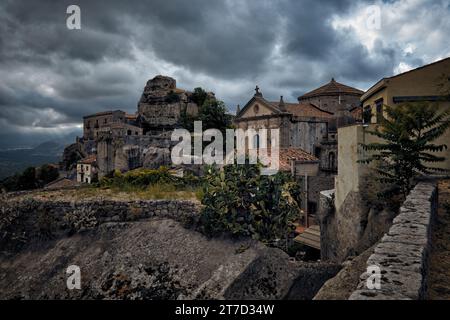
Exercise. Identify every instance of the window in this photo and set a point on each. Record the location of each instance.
(317, 151)
(256, 141)
(332, 160)
(367, 114)
(129, 133)
(379, 106)
(256, 108)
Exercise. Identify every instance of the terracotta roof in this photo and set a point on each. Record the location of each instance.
(89, 160)
(60, 183)
(307, 110)
(288, 154)
(331, 88)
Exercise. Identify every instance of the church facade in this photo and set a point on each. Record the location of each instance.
(309, 124)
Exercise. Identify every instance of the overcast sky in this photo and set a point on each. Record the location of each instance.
(51, 76)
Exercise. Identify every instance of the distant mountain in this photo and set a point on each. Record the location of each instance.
(15, 160)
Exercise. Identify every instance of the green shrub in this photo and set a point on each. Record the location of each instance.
(138, 178)
(242, 202)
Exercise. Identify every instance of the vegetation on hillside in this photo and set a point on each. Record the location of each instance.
(408, 134)
(153, 183)
(31, 178)
(240, 201)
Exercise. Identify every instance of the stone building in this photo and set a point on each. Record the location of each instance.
(353, 224)
(92, 124)
(123, 142)
(308, 132)
(310, 124)
(87, 170)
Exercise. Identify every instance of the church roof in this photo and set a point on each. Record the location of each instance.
(89, 159)
(331, 88)
(307, 110)
(288, 154)
(297, 154)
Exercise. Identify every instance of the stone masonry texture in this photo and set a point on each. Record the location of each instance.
(402, 254)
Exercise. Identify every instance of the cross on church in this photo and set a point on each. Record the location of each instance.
(258, 93)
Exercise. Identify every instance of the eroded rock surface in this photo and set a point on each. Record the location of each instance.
(153, 259)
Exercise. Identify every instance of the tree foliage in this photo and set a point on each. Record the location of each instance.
(31, 178)
(212, 113)
(242, 202)
(407, 150)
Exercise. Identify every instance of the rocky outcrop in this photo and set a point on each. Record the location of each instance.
(402, 254)
(346, 281)
(162, 104)
(139, 250)
(72, 153)
(156, 157)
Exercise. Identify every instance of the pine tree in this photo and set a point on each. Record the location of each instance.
(407, 149)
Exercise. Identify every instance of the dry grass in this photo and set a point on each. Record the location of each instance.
(153, 192)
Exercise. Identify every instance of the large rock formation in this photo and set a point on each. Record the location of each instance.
(162, 103)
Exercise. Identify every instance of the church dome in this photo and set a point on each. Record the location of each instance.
(332, 88)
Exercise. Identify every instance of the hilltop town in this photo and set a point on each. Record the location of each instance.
(320, 218)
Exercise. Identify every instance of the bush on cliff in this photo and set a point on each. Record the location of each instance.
(242, 202)
(212, 113)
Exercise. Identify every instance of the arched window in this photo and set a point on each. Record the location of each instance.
(256, 141)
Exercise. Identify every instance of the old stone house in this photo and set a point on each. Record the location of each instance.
(87, 169)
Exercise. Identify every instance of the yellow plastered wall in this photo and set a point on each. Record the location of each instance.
(431, 80)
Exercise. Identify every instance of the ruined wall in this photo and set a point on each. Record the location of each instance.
(402, 253)
(130, 152)
(307, 134)
(29, 218)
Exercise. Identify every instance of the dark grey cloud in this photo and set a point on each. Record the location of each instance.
(52, 76)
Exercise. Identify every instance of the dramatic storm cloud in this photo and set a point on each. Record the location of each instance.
(52, 76)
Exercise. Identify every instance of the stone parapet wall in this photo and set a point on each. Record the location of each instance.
(402, 254)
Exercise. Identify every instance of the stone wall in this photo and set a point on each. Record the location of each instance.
(402, 253)
(25, 220)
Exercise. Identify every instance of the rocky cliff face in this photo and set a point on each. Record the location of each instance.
(162, 103)
(139, 250)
